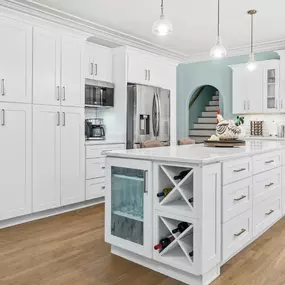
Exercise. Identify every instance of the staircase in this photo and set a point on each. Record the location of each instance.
(206, 125)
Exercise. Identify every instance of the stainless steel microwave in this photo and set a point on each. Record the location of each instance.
(99, 94)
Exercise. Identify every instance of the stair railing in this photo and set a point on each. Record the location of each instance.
(196, 96)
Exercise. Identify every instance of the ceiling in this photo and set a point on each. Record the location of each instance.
(194, 21)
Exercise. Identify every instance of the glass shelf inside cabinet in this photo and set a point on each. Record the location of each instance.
(127, 195)
(175, 187)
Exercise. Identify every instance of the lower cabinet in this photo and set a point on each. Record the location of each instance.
(15, 160)
(58, 156)
(128, 214)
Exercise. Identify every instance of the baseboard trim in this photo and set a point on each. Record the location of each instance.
(49, 213)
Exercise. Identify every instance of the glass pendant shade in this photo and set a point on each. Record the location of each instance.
(251, 65)
(162, 27)
(218, 50)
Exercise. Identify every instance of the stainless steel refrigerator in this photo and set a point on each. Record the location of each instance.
(148, 115)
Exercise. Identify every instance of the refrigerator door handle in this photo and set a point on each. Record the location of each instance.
(157, 114)
(154, 114)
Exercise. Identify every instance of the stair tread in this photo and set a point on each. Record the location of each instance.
(202, 129)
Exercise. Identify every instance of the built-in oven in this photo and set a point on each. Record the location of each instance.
(99, 94)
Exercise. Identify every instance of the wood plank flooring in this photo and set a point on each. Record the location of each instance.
(70, 250)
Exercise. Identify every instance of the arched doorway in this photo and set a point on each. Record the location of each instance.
(203, 105)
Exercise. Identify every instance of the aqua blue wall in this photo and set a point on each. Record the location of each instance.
(199, 105)
(216, 73)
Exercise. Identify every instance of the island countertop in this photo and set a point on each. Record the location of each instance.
(200, 154)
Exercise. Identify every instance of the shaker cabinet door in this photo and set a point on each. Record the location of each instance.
(72, 155)
(46, 157)
(15, 160)
(72, 83)
(46, 67)
(15, 61)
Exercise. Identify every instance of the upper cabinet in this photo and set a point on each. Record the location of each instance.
(256, 91)
(147, 69)
(15, 61)
(57, 66)
(97, 62)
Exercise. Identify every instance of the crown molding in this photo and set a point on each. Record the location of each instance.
(244, 50)
(58, 17)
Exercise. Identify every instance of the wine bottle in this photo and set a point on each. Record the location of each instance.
(181, 228)
(181, 175)
(163, 243)
(164, 192)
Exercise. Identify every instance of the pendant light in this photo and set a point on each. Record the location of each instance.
(218, 51)
(251, 65)
(162, 27)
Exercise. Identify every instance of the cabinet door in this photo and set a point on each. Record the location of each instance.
(72, 155)
(71, 72)
(46, 157)
(129, 205)
(138, 68)
(46, 67)
(88, 63)
(239, 90)
(271, 86)
(15, 162)
(254, 80)
(102, 63)
(15, 61)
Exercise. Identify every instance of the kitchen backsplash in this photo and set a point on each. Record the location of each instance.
(271, 123)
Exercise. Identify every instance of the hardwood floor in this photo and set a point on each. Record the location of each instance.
(70, 250)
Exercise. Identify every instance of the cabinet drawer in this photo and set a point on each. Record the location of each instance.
(237, 198)
(95, 168)
(99, 151)
(266, 185)
(95, 188)
(266, 214)
(266, 162)
(236, 234)
(236, 170)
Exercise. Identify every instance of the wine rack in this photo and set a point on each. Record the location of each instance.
(180, 253)
(182, 197)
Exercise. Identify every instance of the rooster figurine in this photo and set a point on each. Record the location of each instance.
(229, 129)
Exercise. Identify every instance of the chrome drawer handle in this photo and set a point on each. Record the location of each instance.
(240, 170)
(240, 233)
(269, 213)
(240, 198)
(269, 161)
(103, 187)
(270, 184)
(3, 87)
(103, 167)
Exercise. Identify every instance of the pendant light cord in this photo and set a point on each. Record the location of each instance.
(218, 18)
(162, 8)
(251, 46)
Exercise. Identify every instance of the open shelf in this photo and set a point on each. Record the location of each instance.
(129, 215)
(129, 177)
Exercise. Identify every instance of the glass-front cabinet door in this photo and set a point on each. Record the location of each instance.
(128, 211)
(271, 86)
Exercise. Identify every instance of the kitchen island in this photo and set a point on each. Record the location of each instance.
(185, 210)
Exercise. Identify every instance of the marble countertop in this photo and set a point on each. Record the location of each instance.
(199, 154)
(265, 138)
(100, 142)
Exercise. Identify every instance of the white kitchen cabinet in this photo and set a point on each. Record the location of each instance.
(15, 160)
(72, 155)
(72, 82)
(128, 215)
(15, 61)
(97, 62)
(57, 65)
(271, 86)
(247, 89)
(46, 157)
(46, 67)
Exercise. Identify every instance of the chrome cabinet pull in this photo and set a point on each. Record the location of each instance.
(58, 93)
(248, 105)
(2, 87)
(145, 74)
(244, 105)
(92, 68)
(269, 161)
(269, 213)
(58, 118)
(240, 233)
(270, 184)
(281, 104)
(149, 75)
(239, 170)
(145, 180)
(96, 69)
(103, 167)
(240, 198)
(63, 96)
(63, 119)
(103, 187)
(2, 117)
